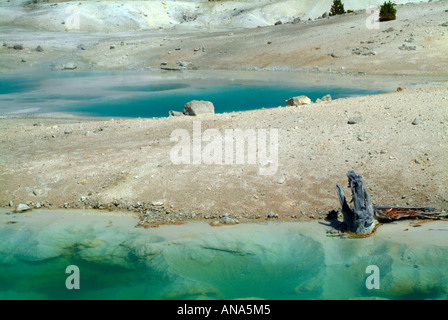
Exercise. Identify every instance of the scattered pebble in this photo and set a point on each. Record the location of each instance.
(416, 121)
(354, 120)
(272, 215)
(281, 180)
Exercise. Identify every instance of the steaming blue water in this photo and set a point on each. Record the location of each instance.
(130, 95)
(197, 261)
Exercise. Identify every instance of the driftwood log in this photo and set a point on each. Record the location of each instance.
(386, 214)
(363, 218)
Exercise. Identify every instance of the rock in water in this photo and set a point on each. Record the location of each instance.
(195, 107)
(22, 208)
(298, 101)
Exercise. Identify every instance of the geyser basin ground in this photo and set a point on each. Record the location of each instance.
(154, 94)
(196, 261)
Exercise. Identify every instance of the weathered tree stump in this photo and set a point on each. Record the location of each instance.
(360, 219)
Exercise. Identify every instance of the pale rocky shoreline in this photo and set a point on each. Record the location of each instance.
(57, 161)
(54, 163)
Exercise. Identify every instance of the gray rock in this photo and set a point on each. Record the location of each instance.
(271, 215)
(354, 120)
(327, 98)
(81, 47)
(364, 136)
(406, 47)
(298, 101)
(416, 121)
(171, 68)
(11, 204)
(18, 47)
(225, 219)
(175, 113)
(195, 107)
(183, 63)
(281, 180)
(356, 51)
(69, 66)
(22, 207)
(68, 131)
(39, 49)
(89, 133)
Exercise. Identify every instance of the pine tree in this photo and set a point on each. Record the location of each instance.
(387, 11)
(337, 8)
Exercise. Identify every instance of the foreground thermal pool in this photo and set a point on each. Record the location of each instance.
(267, 260)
